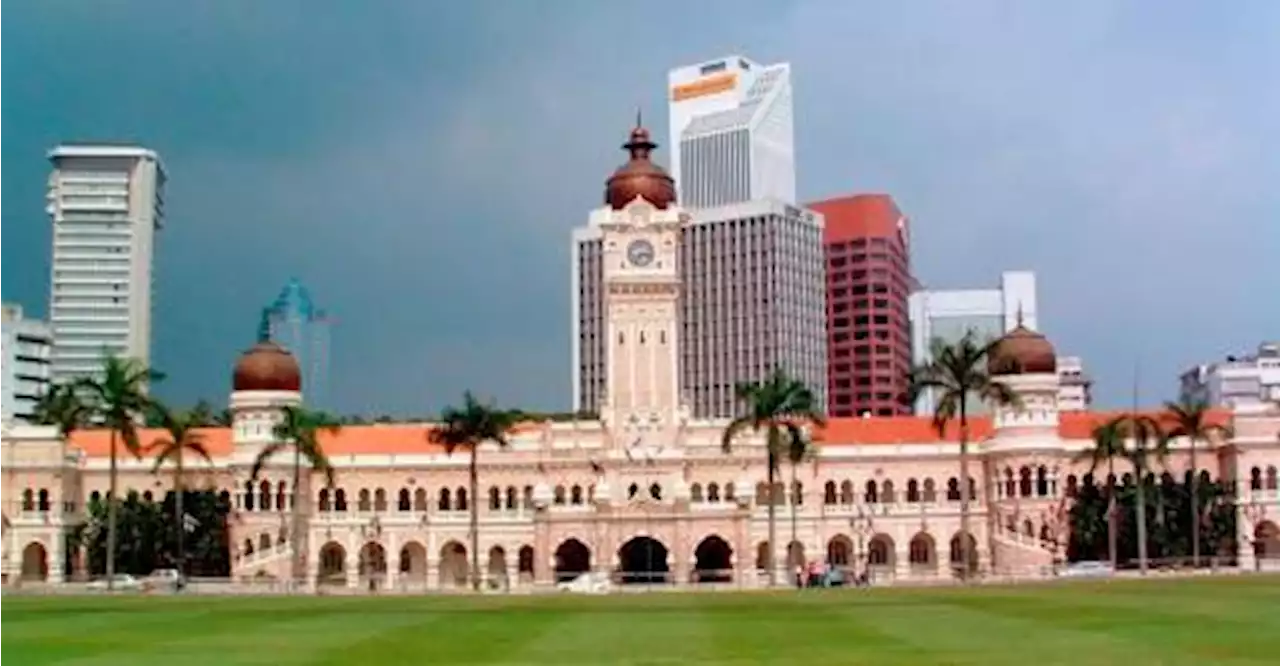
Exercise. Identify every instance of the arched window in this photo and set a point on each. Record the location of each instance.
(42, 500)
(1042, 481)
(282, 497)
(324, 500)
(460, 502)
(695, 493)
(953, 489)
(147, 497)
(1010, 486)
(446, 500)
(365, 503)
(264, 495)
(886, 492)
(420, 499)
(762, 493)
(559, 498)
(930, 491)
(729, 495)
(512, 498)
(655, 491)
(913, 490)
(527, 497)
(871, 496)
(797, 493)
(340, 500)
(1073, 485)
(248, 496)
(1025, 485)
(1255, 479)
(575, 495)
(846, 492)
(495, 498)
(380, 500)
(1271, 480)
(829, 497)
(405, 503)
(713, 492)
(28, 500)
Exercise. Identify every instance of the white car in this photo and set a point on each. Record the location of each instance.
(1092, 569)
(595, 582)
(122, 582)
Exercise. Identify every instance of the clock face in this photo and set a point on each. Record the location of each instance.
(640, 253)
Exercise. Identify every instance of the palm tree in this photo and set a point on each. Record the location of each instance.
(1108, 445)
(119, 400)
(1148, 440)
(299, 430)
(798, 451)
(61, 406)
(957, 373)
(781, 406)
(1189, 417)
(181, 435)
(468, 427)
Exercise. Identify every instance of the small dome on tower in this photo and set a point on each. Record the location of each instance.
(1022, 351)
(267, 366)
(640, 177)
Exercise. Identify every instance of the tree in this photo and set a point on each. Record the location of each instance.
(957, 373)
(1148, 440)
(1189, 418)
(181, 435)
(119, 400)
(468, 427)
(781, 406)
(1108, 445)
(61, 406)
(299, 430)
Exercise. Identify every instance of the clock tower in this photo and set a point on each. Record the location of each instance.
(640, 238)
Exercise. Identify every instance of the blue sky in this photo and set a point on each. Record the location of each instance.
(419, 165)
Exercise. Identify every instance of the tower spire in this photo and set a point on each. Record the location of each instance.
(1020, 320)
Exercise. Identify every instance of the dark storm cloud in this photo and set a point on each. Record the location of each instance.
(420, 165)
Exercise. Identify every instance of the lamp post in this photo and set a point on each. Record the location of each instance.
(370, 531)
(861, 525)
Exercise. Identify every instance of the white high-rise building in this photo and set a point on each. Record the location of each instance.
(1238, 382)
(106, 202)
(732, 137)
(989, 313)
(24, 362)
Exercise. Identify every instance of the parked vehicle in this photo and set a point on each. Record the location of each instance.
(1089, 569)
(121, 582)
(588, 583)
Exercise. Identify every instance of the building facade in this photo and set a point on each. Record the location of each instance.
(948, 314)
(1075, 392)
(24, 362)
(1238, 381)
(646, 491)
(106, 203)
(732, 133)
(295, 322)
(751, 300)
(866, 242)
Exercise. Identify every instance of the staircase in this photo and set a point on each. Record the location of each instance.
(1021, 556)
(274, 562)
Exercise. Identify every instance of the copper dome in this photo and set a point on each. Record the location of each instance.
(640, 177)
(1022, 351)
(267, 367)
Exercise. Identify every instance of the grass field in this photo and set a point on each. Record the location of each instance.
(1196, 622)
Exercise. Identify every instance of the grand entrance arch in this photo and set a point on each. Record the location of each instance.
(713, 561)
(333, 564)
(573, 559)
(373, 565)
(643, 559)
(35, 562)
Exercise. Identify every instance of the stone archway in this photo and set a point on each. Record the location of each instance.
(573, 558)
(795, 556)
(922, 553)
(881, 557)
(840, 551)
(959, 554)
(413, 563)
(1266, 541)
(35, 562)
(333, 564)
(643, 559)
(453, 565)
(373, 565)
(713, 561)
(496, 569)
(762, 556)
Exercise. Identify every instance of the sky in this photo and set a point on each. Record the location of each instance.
(419, 165)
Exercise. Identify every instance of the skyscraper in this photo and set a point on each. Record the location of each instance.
(731, 132)
(868, 281)
(294, 322)
(24, 362)
(106, 202)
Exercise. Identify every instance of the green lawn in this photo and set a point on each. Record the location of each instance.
(1196, 622)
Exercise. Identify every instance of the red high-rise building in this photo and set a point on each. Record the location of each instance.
(868, 258)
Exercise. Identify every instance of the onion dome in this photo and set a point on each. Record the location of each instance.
(267, 367)
(1022, 351)
(640, 177)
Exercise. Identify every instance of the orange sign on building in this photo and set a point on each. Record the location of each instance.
(705, 86)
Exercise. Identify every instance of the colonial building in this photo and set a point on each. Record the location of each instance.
(646, 491)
